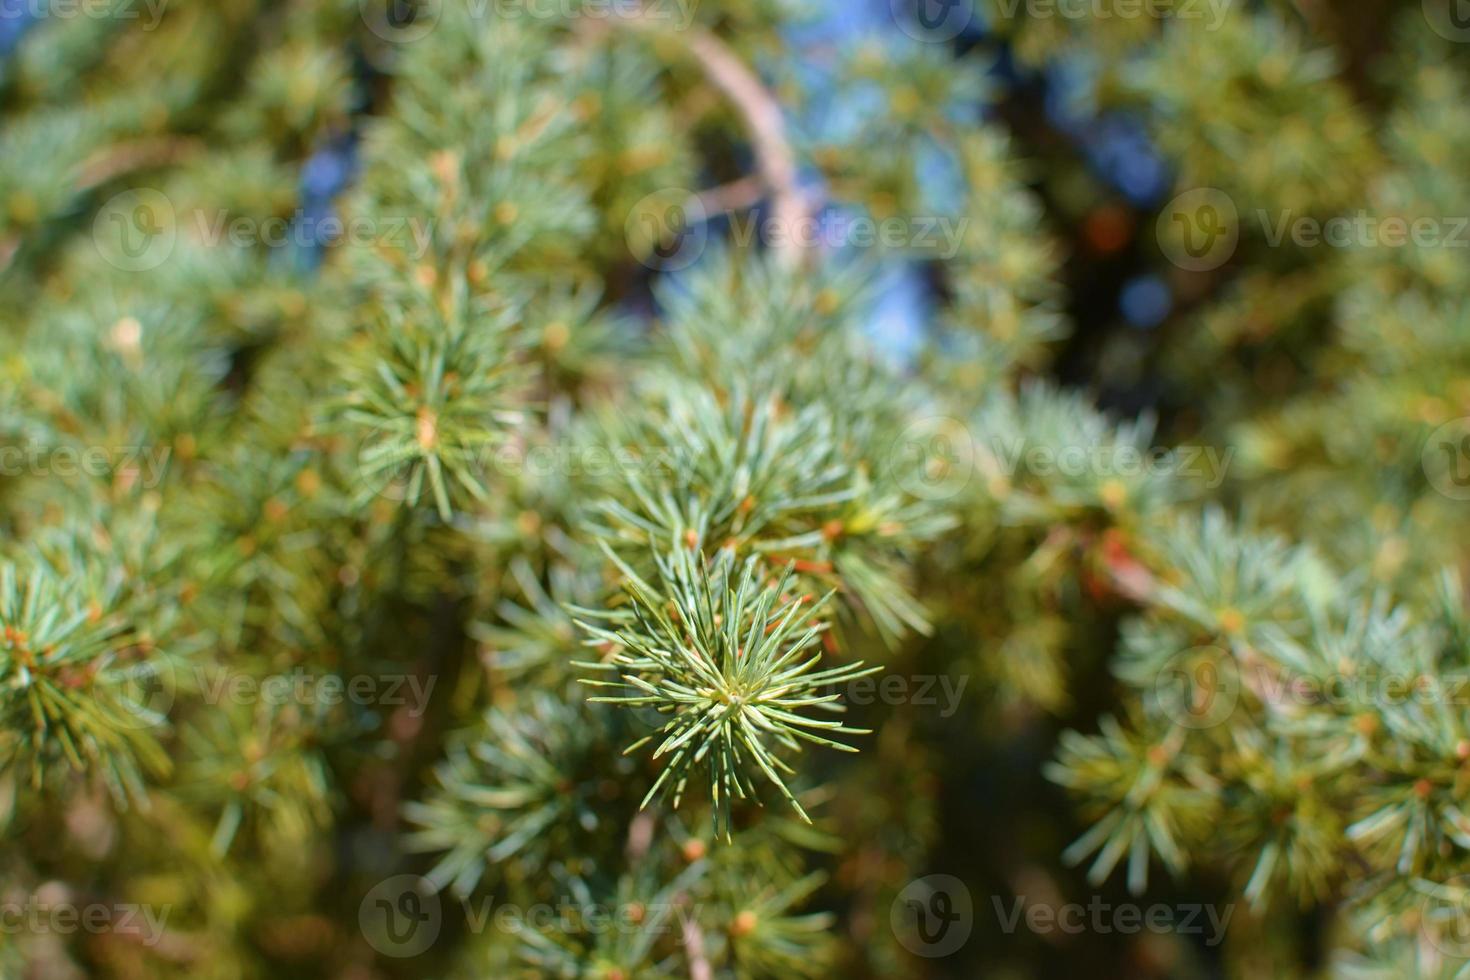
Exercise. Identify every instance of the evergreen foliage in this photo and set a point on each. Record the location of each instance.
(411, 467)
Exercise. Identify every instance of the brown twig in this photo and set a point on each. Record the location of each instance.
(764, 121)
(123, 158)
(640, 836)
(114, 161)
(699, 968)
(737, 195)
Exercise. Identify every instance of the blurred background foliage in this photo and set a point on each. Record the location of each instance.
(374, 459)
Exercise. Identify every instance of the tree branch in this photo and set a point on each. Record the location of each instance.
(764, 120)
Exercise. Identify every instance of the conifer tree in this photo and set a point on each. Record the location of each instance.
(621, 490)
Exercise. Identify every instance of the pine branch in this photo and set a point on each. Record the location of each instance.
(731, 662)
